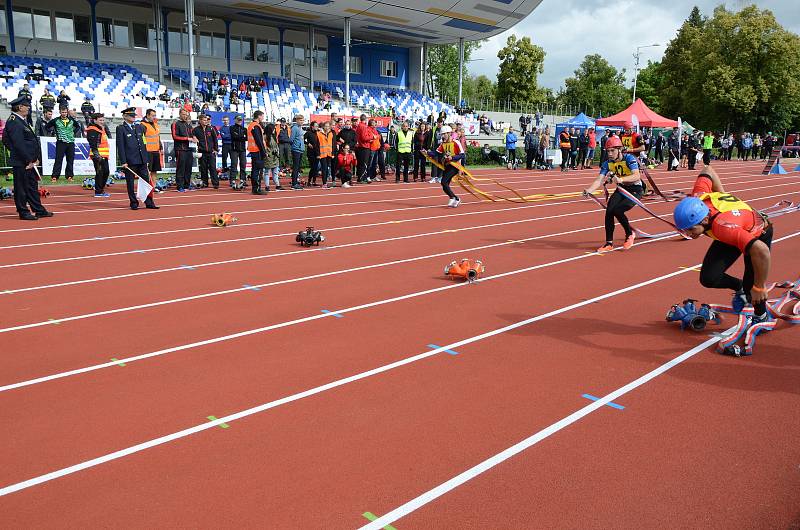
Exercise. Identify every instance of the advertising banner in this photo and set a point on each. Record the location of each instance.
(82, 165)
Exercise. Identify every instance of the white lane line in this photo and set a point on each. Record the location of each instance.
(347, 245)
(373, 188)
(303, 278)
(288, 194)
(489, 463)
(299, 219)
(315, 316)
(295, 252)
(323, 388)
(678, 179)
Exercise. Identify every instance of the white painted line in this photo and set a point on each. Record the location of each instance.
(347, 245)
(489, 463)
(302, 320)
(300, 251)
(12, 488)
(677, 178)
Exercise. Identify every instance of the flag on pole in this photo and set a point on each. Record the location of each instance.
(143, 189)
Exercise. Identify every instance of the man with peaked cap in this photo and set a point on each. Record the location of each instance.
(98, 146)
(132, 156)
(25, 154)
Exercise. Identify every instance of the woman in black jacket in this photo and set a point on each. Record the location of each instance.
(312, 152)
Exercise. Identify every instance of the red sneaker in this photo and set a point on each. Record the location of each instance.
(628, 242)
(608, 247)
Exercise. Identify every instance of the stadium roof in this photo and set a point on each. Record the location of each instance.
(433, 21)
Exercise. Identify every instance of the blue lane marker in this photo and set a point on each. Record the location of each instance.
(187, 267)
(251, 287)
(436, 347)
(610, 403)
(337, 315)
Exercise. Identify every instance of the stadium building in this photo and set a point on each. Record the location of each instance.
(127, 54)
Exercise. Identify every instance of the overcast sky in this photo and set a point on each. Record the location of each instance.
(568, 30)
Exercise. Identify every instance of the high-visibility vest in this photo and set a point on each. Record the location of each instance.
(251, 142)
(404, 141)
(102, 147)
(152, 138)
(325, 144)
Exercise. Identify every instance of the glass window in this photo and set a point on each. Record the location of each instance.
(185, 42)
(261, 51)
(151, 37)
(205, 45)
(322, 58)
(388, 68)
(65, 30)
(247, 48)
(174, 40)
(139, 33)
(355, 64)
(83, 29)
(288, 53)
(23, 24)
(219, 45)
(274, 55)
(3, 29)
(122, 37)
(41, 25)
(299, 55)
(104, 34)
(236, 47)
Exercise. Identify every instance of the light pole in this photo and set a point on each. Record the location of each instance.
(636, 67)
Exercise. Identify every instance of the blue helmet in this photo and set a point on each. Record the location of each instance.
(689, 212)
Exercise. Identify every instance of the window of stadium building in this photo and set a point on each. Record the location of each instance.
(288, 52)
(42, 26)
(175, 39)
(322, 58)
(65, 28)
(205, 45)
(139, 33)
(388, 68)
(261, 50)
(274, 52)
(83, 29)
(3, 29)
(151, 37)
(355, 64)
(219, 45)
(105, 32)
(122, 37)
(23, 23)
(299, 55)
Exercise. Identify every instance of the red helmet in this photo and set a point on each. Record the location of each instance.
(628, 124)
(613, 142)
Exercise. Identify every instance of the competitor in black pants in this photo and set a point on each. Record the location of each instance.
(624, 171)
(449, 150)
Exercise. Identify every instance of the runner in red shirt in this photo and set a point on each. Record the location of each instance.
(736, 229)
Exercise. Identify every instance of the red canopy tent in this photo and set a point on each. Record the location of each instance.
(647, 118)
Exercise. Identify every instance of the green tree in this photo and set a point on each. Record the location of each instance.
(478, 88)
(597, 87)
(738, 70)
(521, 62)
(442, 75)
(649, 84)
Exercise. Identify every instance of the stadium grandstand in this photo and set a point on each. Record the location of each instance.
(123, 54)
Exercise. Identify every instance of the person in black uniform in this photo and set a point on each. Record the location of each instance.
(674, 150)
(87, 109)
(132, 156)
(238, 151)
(25, 152)
(207, 145)
(43, 127)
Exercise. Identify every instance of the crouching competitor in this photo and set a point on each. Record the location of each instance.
(737, 229)
(450, 150)
(623, 170)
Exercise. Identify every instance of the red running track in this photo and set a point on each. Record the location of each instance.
(315, 454)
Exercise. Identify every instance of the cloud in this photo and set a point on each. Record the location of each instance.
(568, 30)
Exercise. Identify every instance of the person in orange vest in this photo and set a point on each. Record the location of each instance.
(152, 140)
(325, 137)
(565, 145)
(98, 146)
(258, 151)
